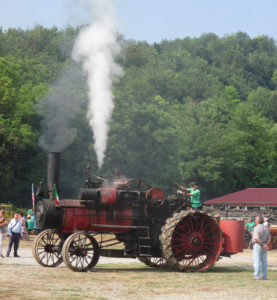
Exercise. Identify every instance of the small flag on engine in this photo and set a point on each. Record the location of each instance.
(33, 196)
(55, 196)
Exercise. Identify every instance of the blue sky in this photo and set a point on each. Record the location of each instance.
(152, 20)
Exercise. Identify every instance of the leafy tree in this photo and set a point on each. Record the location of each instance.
(251, 142)
(200, 109)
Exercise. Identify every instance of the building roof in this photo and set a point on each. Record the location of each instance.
(251, 196)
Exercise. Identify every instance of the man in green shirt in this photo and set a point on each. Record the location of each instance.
(30, 223)
(250, 225)
(194, 194)
(30, 212)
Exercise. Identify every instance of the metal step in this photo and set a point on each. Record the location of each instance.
(145, 251)
(144, 242)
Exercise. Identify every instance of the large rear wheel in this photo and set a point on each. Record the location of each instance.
(191, 241)
(80, 252)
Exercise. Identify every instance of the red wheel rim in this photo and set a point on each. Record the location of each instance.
(196, 242)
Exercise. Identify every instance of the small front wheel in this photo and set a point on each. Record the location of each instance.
(47, 248)
(80, 252)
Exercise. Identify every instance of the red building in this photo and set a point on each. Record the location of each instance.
(251, 197)
(264, 199)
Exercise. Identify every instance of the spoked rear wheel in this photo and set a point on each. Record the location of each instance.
(80, 252)
(192, 241)
(47, 248)
(154, 262)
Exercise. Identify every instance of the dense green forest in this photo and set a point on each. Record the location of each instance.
(194, 109)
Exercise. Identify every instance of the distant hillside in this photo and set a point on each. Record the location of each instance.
(201, 109)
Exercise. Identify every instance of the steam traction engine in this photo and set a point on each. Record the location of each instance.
(128, 218)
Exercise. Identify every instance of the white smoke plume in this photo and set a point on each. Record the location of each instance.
(95, 48)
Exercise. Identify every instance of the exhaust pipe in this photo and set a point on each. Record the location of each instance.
(53, 170)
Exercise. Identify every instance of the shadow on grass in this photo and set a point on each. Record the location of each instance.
(16, 264)
(140, 268)
(104, 268)
(122, 269)
(236, 269)
(228, 269)
(145, 269)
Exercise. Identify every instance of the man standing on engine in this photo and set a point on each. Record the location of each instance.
(261, 237)
(194, 194)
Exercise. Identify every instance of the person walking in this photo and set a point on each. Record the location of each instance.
(15, 232)
(3, 228)
(261, 237)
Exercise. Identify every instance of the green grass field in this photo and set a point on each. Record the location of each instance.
(22, 278)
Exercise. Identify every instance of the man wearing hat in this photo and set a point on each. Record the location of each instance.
(194, 194)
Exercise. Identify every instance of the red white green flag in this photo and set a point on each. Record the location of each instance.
(55, 196)
(33, 196)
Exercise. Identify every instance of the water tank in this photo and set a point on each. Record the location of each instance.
(233, 233)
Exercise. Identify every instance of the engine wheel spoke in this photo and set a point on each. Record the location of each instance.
(80, 252)
(154, 262)
(47, 248)
(194, 243)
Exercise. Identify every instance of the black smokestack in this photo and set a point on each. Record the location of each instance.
(53, 170)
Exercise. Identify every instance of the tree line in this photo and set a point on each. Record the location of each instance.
(194, 109)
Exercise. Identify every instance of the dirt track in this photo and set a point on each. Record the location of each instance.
(113, 278)
(241, 259)
(27, 259)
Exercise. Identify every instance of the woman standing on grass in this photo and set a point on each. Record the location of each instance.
(3, 228)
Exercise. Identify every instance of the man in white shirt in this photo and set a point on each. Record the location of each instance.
(15, 231)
